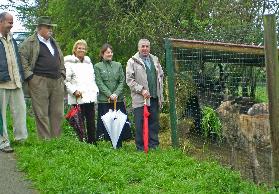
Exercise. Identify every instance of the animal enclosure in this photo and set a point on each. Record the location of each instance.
(218, 101)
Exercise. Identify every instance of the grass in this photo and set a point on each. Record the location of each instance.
(66, 165)
(261, 94)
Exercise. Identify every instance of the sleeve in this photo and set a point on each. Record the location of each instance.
(69, 79)
(25, 59)
(63, 68)
(94, 80)
(120, 86)
(99, 81)
(130, 77)
(161, 72)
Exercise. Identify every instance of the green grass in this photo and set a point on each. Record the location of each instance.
(261, 94)
(65, 165)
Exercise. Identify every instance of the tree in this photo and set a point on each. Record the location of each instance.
(123, 22)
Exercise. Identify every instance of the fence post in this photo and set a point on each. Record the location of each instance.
(271, 61)
(171, 88)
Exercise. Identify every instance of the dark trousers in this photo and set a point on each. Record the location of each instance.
(153, 125)
(88, 113)
(103, 108)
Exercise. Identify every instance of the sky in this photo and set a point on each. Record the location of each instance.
(17, 24)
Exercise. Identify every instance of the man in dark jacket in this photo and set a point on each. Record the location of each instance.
(44, 71)
(11, 78)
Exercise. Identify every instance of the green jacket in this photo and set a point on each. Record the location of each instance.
(110, 80)
(29, 52)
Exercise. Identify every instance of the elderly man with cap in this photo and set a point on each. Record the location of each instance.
(44, 71)
(11, 78)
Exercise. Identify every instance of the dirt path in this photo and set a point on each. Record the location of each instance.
(11, 180)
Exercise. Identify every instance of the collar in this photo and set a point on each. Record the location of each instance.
(107, 61)
(9, 36)
(42, 39)
(144, 57)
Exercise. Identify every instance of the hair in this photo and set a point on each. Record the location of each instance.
(83, 42)
(103, 49)
(142, 41)
(3, 16)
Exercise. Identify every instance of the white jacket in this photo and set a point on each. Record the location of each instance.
(80, 76)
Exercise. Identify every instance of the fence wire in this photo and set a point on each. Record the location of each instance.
(221, 108)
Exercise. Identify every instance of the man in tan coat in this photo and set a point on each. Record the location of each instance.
(144, 76)
(11, 78)
(44, 71)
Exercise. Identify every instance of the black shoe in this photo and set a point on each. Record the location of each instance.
(7, 149)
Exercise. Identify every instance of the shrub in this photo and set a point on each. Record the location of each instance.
(164, 121)
(211, 123)
(184, 126)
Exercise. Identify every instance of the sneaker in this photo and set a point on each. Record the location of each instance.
(7, 149)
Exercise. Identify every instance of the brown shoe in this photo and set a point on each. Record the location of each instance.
(7, 149)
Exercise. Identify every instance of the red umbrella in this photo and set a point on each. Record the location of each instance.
(145, 127)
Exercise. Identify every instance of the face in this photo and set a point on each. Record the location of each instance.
(7, 24)
(45, 31)
(80, 51)
(108, 55)
(144, 48)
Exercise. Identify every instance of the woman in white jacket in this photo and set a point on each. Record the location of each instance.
(81, 86)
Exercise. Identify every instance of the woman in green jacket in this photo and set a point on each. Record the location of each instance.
(110, 80)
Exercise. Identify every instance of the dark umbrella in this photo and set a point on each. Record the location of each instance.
(145, 127)
(74, 117)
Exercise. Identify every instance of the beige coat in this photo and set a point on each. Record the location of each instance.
(136, 79)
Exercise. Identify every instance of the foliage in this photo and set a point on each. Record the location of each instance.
(184, 126)
(123, 23)
(261, 94)
(164, 121)
(184, 89)
(211, 123)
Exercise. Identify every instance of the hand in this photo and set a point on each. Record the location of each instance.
(77, 94)
(145, 94)
(113, 97)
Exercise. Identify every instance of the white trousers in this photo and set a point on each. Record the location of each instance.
(15, 99)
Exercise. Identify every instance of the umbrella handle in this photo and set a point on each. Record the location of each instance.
(114, 104)
(145, 99)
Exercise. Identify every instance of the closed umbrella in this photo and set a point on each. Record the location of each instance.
(74, 117)
(145, 126)
(114, 122)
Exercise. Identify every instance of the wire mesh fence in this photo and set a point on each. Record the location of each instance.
(221, 104)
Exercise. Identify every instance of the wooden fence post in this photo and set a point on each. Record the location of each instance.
(272, 68)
